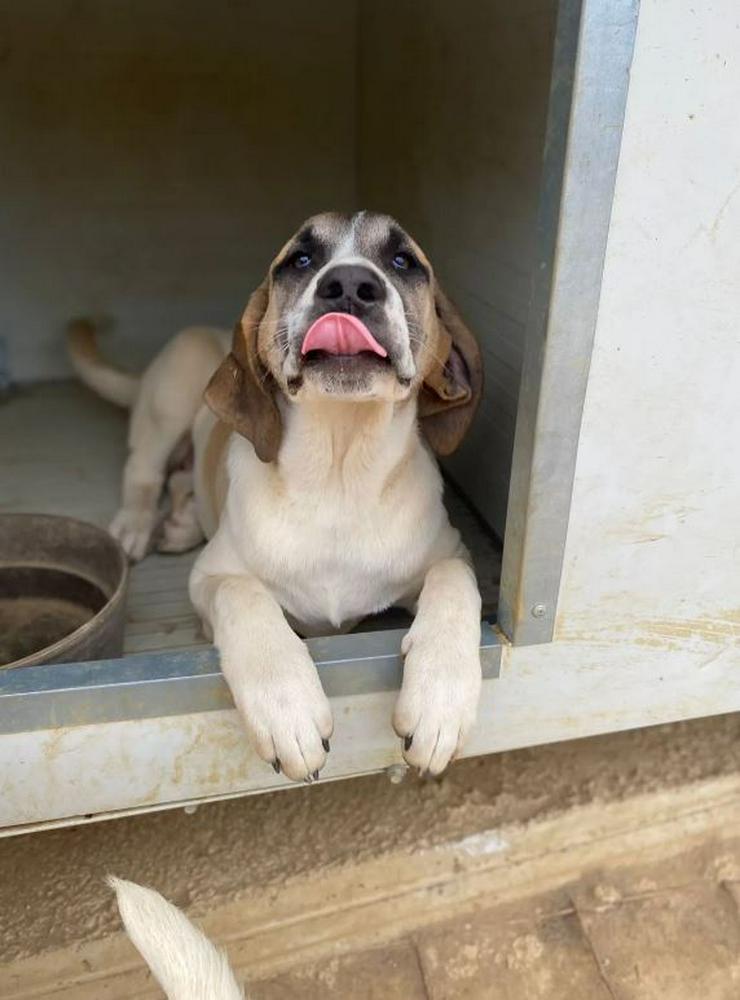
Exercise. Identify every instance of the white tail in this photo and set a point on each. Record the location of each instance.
(111, 383)
(184, 962)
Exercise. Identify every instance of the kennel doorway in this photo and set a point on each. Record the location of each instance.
(158, 156)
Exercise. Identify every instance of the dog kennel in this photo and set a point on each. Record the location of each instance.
(156, 156)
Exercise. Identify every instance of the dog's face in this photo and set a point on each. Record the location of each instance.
(366, 268)
(350, 310)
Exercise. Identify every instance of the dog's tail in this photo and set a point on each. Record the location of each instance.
(111, 383)
(184, 962)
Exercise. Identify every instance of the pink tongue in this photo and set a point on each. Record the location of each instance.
(340, 333)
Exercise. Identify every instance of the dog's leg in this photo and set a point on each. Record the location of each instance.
(168, 399)
(442, 670)
(143, 477)
(181, 531)
(162, 416)
(269, 670)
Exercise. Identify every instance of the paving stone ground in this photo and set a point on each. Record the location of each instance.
(389, 972)
(665, 931)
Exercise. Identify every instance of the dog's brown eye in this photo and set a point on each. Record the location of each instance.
(402, 261)
(302, 261)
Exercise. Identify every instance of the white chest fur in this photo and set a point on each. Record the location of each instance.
(346, 523)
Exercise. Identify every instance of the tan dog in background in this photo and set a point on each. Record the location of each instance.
(315, 481)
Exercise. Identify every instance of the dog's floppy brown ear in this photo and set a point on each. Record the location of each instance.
(241, 392)
(452, 388)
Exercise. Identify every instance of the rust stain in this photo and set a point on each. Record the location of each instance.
(708, 629)
(225, 746)
(660, 633)
(53, 746)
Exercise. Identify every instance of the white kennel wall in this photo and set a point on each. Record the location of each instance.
(652, 559)
(452, 111)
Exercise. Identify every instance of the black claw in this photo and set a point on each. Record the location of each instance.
(308, 779)
(326, 745)
(408, 740)
(315, 775)
(276, 766)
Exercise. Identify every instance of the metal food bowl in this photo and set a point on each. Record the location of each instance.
(62, 591)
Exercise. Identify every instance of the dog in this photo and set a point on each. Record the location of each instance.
(314, 480)
(184, 962)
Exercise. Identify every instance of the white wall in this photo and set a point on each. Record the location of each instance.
(653, 549)
(154, 156)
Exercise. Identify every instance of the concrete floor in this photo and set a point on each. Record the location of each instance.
(599, 868)
(667, 929)
(52, 883)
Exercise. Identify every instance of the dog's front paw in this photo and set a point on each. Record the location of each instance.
(134, 529)
(284, 708)
(439, 697)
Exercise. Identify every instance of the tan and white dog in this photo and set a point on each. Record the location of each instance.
(316, 483)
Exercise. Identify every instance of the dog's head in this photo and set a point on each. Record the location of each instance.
(350, 310)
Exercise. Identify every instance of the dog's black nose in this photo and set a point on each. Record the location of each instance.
(350, 288)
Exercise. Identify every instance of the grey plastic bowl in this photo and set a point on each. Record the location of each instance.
(62, 591)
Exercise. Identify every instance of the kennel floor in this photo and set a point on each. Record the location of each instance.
(62, 451)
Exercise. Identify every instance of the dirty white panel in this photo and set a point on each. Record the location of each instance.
(653, 550)
(545, 693)
(453, 104)
(155, 156)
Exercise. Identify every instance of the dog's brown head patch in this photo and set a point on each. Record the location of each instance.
(242, 391)
(453, 384)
